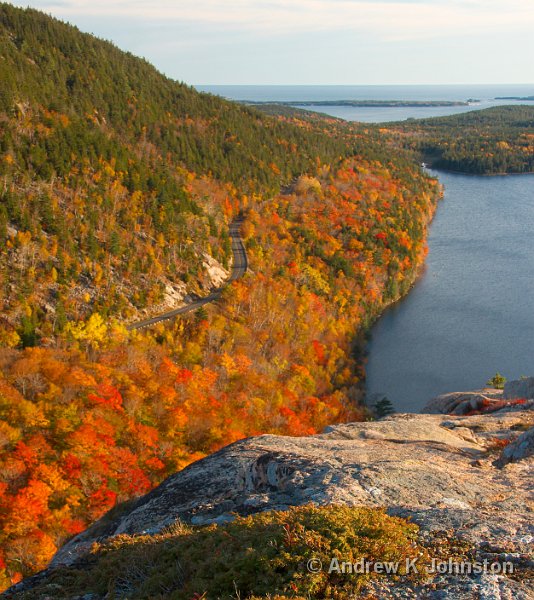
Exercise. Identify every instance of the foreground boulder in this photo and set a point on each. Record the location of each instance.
(520, 449)
(446, 473)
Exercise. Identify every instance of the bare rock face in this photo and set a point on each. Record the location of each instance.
(216, 273)
(460, 403)
(466, 477)
(440, 470)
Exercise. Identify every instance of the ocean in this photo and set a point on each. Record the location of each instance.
(485, 94)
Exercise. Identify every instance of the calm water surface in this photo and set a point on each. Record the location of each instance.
(485, 93)
(472, 311)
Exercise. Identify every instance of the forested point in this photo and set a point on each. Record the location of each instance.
(485, 142)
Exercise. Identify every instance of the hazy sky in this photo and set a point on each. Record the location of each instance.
(317, 41)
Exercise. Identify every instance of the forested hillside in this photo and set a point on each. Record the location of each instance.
(100, 159)
(50, 64)
(118, 183)
(494, 140)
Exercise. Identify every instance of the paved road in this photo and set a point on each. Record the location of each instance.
(239, 268)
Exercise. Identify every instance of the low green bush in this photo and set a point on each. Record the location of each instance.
(261, 556)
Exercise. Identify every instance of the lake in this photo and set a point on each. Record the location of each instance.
(471, 313)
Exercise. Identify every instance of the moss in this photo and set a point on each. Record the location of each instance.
(261, 556)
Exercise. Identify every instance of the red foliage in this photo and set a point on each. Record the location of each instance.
(489, 405)
(72, 467)
(319, 350)
(101, 501)
(108, 396)
(184, 376)
(84, 430)
(73, 526)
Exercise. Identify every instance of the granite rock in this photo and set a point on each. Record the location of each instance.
(445, 472)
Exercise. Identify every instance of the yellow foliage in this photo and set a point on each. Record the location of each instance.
(50, 475)
(8, 434)
(227, 362)
(94, 331)
(306, 184)
(316, 280)
(23, 238)
(9, 339)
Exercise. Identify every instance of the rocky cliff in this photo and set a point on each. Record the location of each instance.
(469, 476)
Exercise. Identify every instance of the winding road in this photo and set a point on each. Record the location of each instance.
(239, 268)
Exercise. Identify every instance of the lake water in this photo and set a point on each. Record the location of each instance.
(471, 313)
(285, 93)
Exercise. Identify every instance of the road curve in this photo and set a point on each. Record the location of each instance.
(239, 268)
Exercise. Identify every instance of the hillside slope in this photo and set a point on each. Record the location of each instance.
(102, 207)
(117, 187)
(52, 64)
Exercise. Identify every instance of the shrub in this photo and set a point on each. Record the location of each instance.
(264, 555)
(497, 381)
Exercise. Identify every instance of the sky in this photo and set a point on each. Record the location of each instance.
(317, 42)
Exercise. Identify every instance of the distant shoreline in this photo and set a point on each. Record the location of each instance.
(515, 98)
(361, 103)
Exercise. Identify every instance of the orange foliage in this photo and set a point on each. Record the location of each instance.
(82, 431)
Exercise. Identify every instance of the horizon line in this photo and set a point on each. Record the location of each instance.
(353, 84)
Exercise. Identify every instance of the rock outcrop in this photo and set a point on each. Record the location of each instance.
(521, 449)
(470, 476)
(445, 472)
(484, 401)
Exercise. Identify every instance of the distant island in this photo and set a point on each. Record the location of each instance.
(515, 98)
(360, 103)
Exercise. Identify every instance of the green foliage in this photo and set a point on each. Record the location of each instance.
(259, 556)
(383, 408)
(494, 140)
(497, 381)
(3, 224)
(28, 329)
(201, 314)
(49, 63)
(105, 164)
(117, 179)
